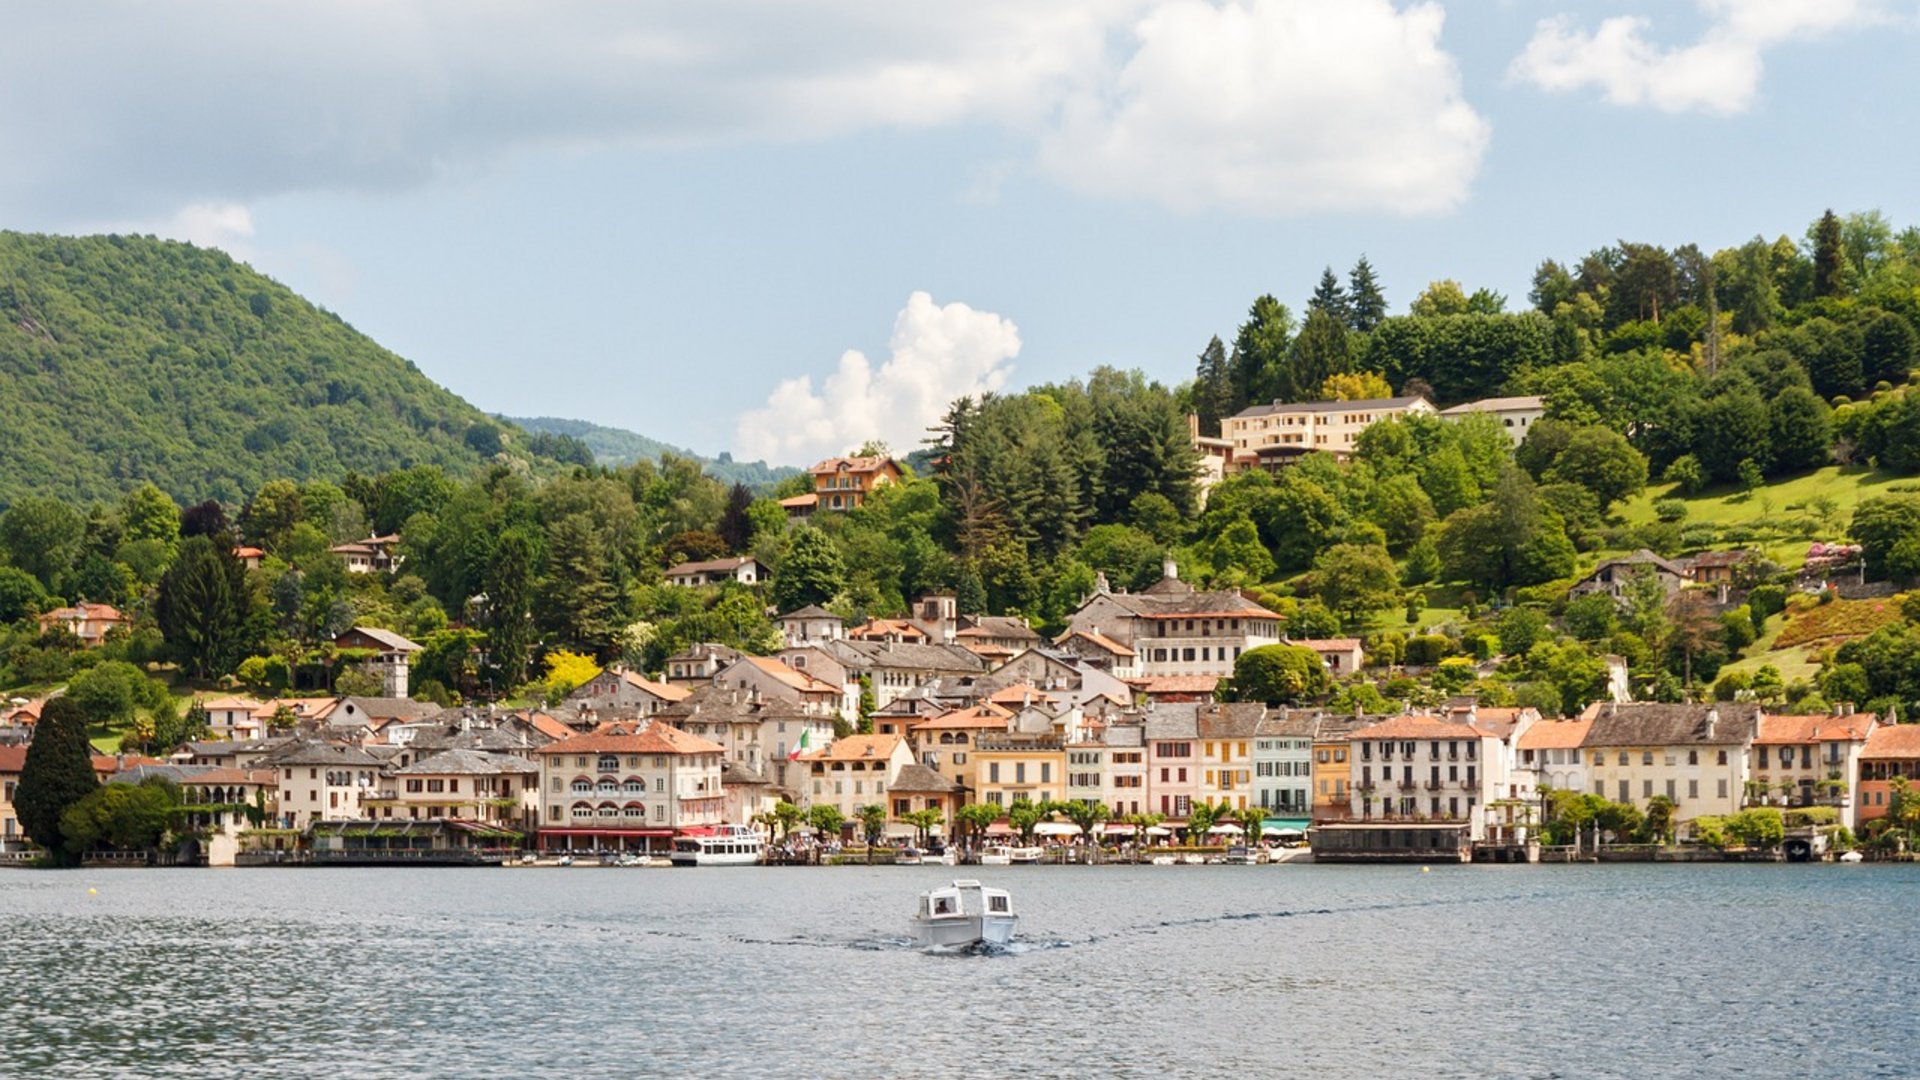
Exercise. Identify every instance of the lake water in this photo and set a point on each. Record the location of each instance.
(1375, 972)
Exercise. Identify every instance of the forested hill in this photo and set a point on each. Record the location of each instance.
(130, 359)
(616, 447)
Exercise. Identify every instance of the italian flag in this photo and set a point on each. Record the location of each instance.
(805, 744)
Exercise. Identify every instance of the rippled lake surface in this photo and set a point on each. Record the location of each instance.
(1577, 971)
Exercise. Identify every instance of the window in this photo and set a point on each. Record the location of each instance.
(1623, 757)
(1723, 788)
(1723, 761)
(1693, 789)
(1693, 757)
(1646, 757)
(1672, 793)
(1625, 794)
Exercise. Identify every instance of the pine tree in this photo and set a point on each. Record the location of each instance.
(204, 607)
(1212, 387)
(1329, 297)
(581, 602)
(1259, 353)
(1366, 304)
(57, 774)
(1829, 257)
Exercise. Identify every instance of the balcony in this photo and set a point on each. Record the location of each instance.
(1407, 785)
(1436, 785)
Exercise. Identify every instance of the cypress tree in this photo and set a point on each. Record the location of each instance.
(58, 773)
(1829, 257)
(735, 527)
(1212, 387)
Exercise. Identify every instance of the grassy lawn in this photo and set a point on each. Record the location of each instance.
(1779, 511)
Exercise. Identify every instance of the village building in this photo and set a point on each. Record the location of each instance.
(1694, 755)
(1550, 757)
(945, 743)
(744, 569)
(1516, 415)
(619, 694)
(916, 789)
(1177, 630)
(460, 785)
(91, 623)
(321, 781)
(1799, 761)
(1225, 735)
(1425, 768)
(1613, 575)
(856, 771)
(1283, 764)
(1891, 752)
(1095, 649)
(1172, 736)
(1273, 436)
(375, 554)
(811, 625)
(1332, 771)
(699, 663)
(894, 668)
(391, 654)
(628, 786)
(1342, 656)
(842, 483)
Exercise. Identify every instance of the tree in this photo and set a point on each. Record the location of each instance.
(1201, 817)
(110, 691)
(1355, 580)
(736, 526)
(147, 513)
(1879, 525)
(826, 819)
(566, 672)
(57, 774)
(1519, 628)
(1602, 461)
(873, 822)
(1355, 386)
(1729, 429)
(810, 573)
(1213, 396)
(1025, 815)
(1329, 297)
(507, 616)
(1829, 257)
(130, 817)
(43, 537)
(1510, 540)
(20, 594)
(925, 821)
(1800, 429)
(1259, 350)
(1888, 349)
(1086, 813)
(975, 818)
(1366, 306)
(1279, 675)
(1440, 298)
(1320, 351)
(204, 607)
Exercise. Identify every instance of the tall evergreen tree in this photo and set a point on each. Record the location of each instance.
(1330, 297)
(1319, 351)
(204, 607)
(1259, 352)
(1366, 304)
(509, 615)
(1213, 387)
(57, 774)
(736, 528)
(1829, 257)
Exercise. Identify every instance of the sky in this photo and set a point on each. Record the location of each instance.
(785, 227)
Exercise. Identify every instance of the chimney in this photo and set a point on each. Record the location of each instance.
(1170, 569)
(1713, 721)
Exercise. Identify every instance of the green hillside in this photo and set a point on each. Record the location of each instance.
(131, 359)
(615, 447)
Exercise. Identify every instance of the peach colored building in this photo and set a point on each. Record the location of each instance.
(1809, 761)
(842, 483)
(1891, 750)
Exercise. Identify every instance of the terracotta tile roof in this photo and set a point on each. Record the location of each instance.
(791, 676)
(1338, 644)
(1021, 694)
(852, 464)
(809, 499)
(980, 716)
(1797, 730)
(230, 704)
(1555, 735)
(880, 628)
(654, 738)
(663, 691)
(12, 758)
(548, 726)
(1893, 741)
(1416, 726)
(84, 610)
(856, 748)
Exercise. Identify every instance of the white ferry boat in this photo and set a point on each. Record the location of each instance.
(962, 915)
(729, 845)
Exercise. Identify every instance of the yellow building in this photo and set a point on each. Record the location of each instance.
(1332, 773)
(945, 743)
(1225, 734)
(1011, 766)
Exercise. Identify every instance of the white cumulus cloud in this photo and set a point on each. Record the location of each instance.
(1277, 107)
(1719, 74)
(938, 353)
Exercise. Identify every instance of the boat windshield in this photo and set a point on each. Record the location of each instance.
(997, 903)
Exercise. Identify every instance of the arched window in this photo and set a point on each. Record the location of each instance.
(582, 810)
(582, 786)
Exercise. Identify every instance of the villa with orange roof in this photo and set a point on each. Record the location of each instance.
(1098, 649)
(842, 483)
(627, 786)
(855, 771)
(768, 677)
(1891, 750)
(1810, 761)
(89, 622)
(1549, 756)
(1419, 767)
(945, 743)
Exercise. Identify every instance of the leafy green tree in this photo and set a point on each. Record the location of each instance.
(1236, 553)
(1025, 815)
(810, 573)
(1355, 580)
(1879, 525)
(1730, 429)
(1888, 349)
(57, 774)
(110, 692)
(873, 823)
(1590, 617)
(129, 817)
(925, 821)
(1509, 540)
(1259, 352)
(20, 594)
(1129, 557)
(147, 513)
(1213, 393)
(507, 616)
(43, 537)
(272, 513)
(1402, 510)
(204, 608)
(1686, 472)
(1279, 675)
(826, 819)
(1603, 462)
(1519, 628)
(975, 818)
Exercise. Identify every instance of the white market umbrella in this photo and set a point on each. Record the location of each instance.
(1056, 828)
(1232, 830)
(1159, 830)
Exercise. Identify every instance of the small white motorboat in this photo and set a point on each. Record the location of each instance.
(996, 855)
(1852, 857)
(962, 915)
(1026, 855)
